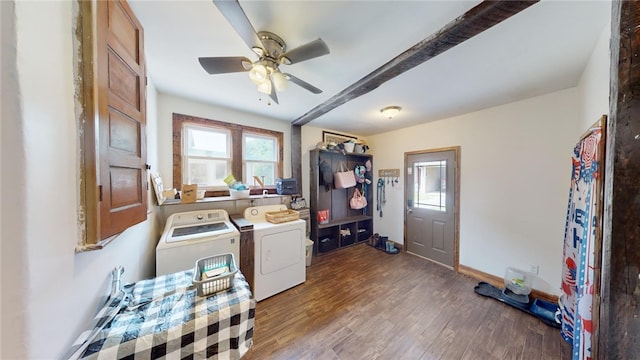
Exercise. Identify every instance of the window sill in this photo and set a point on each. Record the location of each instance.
(169, 202)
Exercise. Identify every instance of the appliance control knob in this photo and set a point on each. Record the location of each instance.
(200, 216)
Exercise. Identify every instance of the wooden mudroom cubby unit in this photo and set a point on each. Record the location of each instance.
(345, 226)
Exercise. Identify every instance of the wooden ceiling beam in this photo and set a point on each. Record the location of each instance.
(476, 20)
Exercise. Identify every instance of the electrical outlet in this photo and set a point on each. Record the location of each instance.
(534, 269)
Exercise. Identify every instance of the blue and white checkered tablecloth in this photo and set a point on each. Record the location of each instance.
(176, 324)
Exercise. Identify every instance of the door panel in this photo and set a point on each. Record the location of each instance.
(125, 188)
(431, 208)
(124, 82)
(122, 115)
(126, 31)
(124, 134)
(438, 235)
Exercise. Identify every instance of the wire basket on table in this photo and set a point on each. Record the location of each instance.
(277, 217)
(216, 283)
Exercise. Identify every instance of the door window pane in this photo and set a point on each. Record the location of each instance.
(430, 179)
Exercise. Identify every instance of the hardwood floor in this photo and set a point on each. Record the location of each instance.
(360, 303)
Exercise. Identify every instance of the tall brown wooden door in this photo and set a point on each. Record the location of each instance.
(431, 206)
(122, 117)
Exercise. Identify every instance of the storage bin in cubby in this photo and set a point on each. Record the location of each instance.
(347, 240)
(348, 234)
(327, 244)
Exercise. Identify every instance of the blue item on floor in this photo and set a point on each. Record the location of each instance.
(382, 243)
(543, 310)
(516, 300)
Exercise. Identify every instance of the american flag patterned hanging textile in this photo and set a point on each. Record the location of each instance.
(579, 243)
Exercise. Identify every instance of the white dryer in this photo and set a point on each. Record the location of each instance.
(189, 236)
(279, 256)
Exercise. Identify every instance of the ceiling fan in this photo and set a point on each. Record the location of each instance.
(271, 50)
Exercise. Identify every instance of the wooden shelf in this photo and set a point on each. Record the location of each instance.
(347, 220)
(346, 226)
(340, 153)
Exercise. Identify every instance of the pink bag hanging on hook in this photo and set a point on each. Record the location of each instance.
(358, 201)
(344, 178)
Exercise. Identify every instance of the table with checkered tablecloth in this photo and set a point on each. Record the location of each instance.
(172, 322)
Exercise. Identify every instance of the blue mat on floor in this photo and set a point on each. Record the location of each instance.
(543, 310)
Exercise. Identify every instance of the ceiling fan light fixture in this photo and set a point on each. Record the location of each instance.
(279, 81)
(258, 74)
(285, 60)
(390, 111)
(265, 87)
(247, 65)
(259, 51)
(271, 51)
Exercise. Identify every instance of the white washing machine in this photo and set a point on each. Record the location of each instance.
(189, 236)
(279, 256)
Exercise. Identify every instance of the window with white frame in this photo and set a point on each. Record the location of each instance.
(207, 156)
(260, 157)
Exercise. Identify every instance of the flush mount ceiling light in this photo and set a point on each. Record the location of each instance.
(390, 111)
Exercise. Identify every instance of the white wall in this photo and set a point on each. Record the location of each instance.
(513, 181)
(514, 172)
(310, 136)
(169, 104)
(51, 292)
(594, 84)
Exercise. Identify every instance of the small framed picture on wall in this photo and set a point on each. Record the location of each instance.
(331, 137)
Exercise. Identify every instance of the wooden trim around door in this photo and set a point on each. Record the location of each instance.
(456, 212)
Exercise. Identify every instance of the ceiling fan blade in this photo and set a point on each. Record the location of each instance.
(273, 94)
(234, 14)
(304, 52)
(302, 83)
(222, 65)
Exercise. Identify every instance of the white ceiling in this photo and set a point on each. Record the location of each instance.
(543, 49)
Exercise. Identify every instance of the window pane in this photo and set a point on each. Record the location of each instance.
(209, 143)
(206, 172)
(260, 158)
(207, 158)
(430, 179)
(265, 171)
(260, 148)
